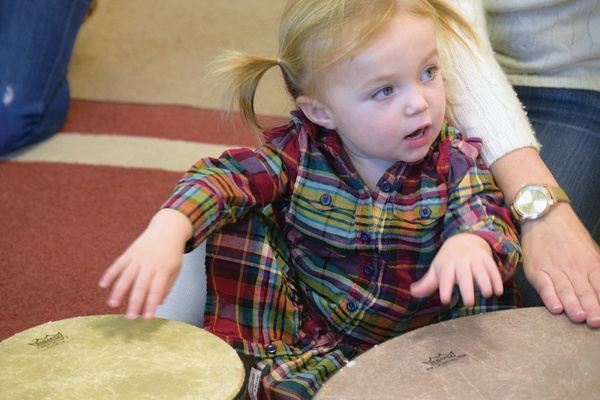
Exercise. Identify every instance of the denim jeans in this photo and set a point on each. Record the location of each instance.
(36, 43)
(567, 124)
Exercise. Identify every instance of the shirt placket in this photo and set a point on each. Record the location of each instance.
(370, 220)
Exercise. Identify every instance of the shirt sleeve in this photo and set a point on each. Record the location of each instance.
(480, 99)
(476, 205)
(217, 191)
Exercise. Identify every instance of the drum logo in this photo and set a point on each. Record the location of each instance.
(442, 360)
(50, 341)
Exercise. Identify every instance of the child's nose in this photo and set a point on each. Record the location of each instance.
(416, 102)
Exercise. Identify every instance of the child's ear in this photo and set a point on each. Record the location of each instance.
(315, 111)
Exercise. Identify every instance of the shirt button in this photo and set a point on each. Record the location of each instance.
(325, 200)
(271, 349)
(365, 237)
(351, 306)
(368, 270)
(386, 186)
(425, 212)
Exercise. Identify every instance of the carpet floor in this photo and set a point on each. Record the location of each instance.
(140, 116)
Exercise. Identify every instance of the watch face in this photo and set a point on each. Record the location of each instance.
(532, 201)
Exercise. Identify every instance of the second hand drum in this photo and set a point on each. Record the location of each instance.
(517, 354)
(109, 357)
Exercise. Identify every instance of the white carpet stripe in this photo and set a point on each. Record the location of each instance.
(118, 151)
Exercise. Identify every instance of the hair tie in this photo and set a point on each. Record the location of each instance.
(279, 62)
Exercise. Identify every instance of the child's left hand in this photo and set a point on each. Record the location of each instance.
(464, 259)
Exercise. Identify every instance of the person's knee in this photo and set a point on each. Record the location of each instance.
(16, 131)
(13, 131)
(24, 124)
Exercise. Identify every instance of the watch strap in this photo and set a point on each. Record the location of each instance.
(515, 215)
(558, 194)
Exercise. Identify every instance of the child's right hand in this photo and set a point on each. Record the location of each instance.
(148, 268)
(464, 260)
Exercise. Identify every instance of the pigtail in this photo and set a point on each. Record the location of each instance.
(237, 76)
(314, 35)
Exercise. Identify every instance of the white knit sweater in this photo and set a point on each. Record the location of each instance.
(549, 43)
(552, 43)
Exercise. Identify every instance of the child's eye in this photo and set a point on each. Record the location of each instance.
(429, 73)
(383, 92)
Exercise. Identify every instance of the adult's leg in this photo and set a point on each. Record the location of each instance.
(36, 43)
(566, 123)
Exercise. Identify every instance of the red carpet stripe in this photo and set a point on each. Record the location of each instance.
(162, 121)
(62, 225)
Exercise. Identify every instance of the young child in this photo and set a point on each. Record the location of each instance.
(352, 223)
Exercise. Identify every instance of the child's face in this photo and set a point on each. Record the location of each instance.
(387, 101)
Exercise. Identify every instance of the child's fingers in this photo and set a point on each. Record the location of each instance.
(482, 278)
(496, 278)
(121, 286)
(111, 273)
(448, 279)
(139, 293)
(156, 295)
(426, 285)
(488, 279)
(464, 279)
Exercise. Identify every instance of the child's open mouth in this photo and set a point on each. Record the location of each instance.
(417, 134)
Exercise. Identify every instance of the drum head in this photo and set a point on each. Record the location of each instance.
(110, 357)
(518, 354)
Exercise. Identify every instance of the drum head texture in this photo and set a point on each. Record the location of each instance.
(518, 354)
(110, 357)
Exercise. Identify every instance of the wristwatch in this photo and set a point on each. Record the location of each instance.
(535, 201)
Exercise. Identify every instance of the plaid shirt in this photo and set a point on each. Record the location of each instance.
(302, 256)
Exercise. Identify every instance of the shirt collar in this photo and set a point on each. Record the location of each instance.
(327, 139)
(323, 138)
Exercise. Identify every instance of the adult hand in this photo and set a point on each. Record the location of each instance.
(562, 262)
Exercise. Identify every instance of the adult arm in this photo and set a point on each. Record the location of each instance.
(560, 259)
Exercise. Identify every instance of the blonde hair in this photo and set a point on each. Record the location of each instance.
(314, 35)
